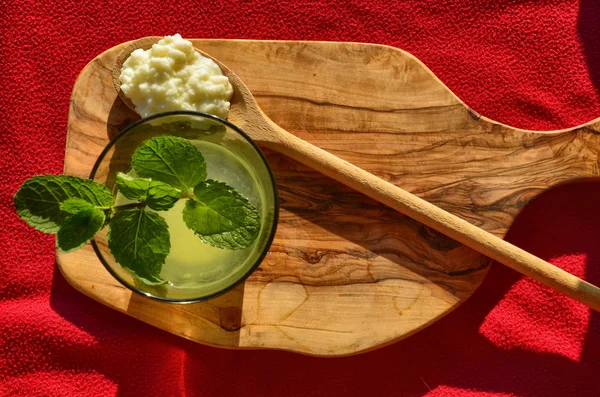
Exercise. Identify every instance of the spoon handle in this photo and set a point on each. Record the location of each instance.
(435, 217)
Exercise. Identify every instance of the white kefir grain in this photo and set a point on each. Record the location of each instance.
(173, 76)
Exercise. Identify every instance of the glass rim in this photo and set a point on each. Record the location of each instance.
(269, 240)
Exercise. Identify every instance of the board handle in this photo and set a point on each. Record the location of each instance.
(434, 217)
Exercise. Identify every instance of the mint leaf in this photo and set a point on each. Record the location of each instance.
(139, 240)
(132, 188)
(221, 217)
(79, 228)
(39, 198)
(161, 196)
(158, 195)
(170, 159)
(75, 205)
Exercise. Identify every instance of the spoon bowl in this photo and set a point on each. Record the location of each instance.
(244, 110)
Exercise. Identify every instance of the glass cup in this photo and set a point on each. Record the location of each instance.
(193, 270)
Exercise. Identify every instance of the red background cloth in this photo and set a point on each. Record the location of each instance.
(530, 64)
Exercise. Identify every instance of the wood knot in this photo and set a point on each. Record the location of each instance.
(314, 257)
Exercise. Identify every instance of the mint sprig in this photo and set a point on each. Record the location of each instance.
(169, 169)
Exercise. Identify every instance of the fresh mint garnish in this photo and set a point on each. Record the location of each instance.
(170, 159)
(158, 195)
(221, 217)
(79, 228)
(139, 240)
(39, 198)
(169, 168)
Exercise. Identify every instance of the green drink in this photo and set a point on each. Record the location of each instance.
(194, 269)
(192, 263)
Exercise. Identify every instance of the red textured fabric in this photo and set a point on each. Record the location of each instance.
(530, 64)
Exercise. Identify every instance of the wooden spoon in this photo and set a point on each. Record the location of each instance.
(246, 114)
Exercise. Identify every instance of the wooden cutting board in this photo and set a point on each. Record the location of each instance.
(345, 274)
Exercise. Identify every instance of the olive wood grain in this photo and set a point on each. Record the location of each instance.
(345, 274)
